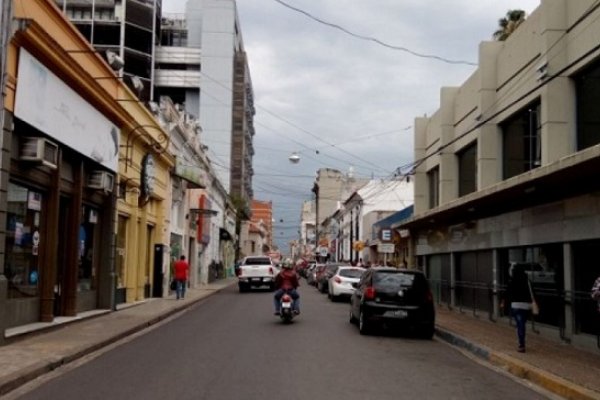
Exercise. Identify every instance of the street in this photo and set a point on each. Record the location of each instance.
(230, 346)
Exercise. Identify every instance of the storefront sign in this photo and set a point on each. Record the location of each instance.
(191, 173)
(386, 247)
(47, 103)
(148, 172)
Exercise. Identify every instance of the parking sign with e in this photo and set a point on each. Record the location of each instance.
(386, 235)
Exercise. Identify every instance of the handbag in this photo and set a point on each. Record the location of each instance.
(173, 285)
(535, 309)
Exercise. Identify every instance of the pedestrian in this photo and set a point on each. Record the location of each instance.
(596, 291)
(182, 270)
(519, 297)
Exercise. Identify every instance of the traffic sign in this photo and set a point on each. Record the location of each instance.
(386, 248)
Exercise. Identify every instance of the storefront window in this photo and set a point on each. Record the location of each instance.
(23, 241)
(86, 277)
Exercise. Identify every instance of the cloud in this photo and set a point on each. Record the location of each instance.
(330, 96)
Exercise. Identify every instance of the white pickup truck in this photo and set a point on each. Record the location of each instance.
(255, 272)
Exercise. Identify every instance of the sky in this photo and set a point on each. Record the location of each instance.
(340, 82)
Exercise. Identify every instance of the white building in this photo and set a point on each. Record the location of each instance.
(202, 64)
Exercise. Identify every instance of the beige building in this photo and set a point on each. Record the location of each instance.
(506, 171)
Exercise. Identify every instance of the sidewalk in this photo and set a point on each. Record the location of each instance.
(561, 369)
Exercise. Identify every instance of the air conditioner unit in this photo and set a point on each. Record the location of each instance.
(37, 149)
(101, 180)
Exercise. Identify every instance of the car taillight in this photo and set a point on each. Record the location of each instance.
(369, 293)
(337, 279)
(271, 270)
(428, 296)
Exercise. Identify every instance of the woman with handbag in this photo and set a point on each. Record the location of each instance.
(519, 296)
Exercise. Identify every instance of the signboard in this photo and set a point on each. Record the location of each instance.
(386, 248)
(44, 101)
(191, 173)
(386, 235)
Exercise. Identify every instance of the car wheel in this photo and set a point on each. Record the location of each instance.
(242, 288)
(351, 318)
(427, 331)
(364, 326)
(272, 287)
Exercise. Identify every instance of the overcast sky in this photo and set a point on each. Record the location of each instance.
(343, 102)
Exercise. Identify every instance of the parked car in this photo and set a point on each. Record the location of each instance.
(396, 298)
(340, 284)
(322, 279)
(311, 277)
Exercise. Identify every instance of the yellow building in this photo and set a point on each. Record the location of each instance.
(84, 177)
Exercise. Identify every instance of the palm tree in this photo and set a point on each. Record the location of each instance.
(509, 24)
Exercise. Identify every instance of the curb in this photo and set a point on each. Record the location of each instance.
(520, 369)
(20, 378)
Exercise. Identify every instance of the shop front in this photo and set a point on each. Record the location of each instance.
(61, 169)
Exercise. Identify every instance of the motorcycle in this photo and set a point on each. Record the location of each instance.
(287, 309)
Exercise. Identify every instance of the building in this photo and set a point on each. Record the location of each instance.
(202, 64)
(262, 212)
(307, 229)
(81, 156)
(374, 201)
(506, 172)
(128, 28)
(331, 188)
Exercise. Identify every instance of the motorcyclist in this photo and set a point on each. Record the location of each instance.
(286, 281)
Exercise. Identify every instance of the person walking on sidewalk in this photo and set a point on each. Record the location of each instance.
(182, 269)
(519, 298)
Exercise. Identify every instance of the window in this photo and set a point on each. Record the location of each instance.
(433, 179)
(521, 147)
(88, 245)
(467, 170)
(23, 239)
(587, 85)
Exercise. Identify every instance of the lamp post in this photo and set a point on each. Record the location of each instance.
(315, 190)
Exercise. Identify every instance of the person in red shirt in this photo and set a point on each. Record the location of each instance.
(286, 282)
(181, 270)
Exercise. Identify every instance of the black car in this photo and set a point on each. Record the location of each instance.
(395, 298)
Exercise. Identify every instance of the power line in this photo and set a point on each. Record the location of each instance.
(375, 40)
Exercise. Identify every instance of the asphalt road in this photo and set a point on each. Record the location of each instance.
(231, 347)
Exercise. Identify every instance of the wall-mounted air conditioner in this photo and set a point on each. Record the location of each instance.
(101, 180)
(40, 150)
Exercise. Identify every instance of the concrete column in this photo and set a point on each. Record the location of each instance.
(495, 279)
(568, 287)
(421, 187)
(4, 174)
(452, 280)
(448, 160)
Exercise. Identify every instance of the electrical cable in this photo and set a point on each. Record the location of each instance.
(372, 39)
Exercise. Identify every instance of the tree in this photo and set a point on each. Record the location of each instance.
(509, 24)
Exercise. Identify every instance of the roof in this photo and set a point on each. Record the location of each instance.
(396, 217)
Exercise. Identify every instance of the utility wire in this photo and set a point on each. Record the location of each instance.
(375, 40)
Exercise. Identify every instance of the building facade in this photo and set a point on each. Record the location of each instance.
(72, 168)
(128, 28)
(506, 173)
(202, 64)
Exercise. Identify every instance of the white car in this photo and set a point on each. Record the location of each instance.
(255, 272)
(340, 284)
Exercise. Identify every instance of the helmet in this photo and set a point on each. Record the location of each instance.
(287, 263)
